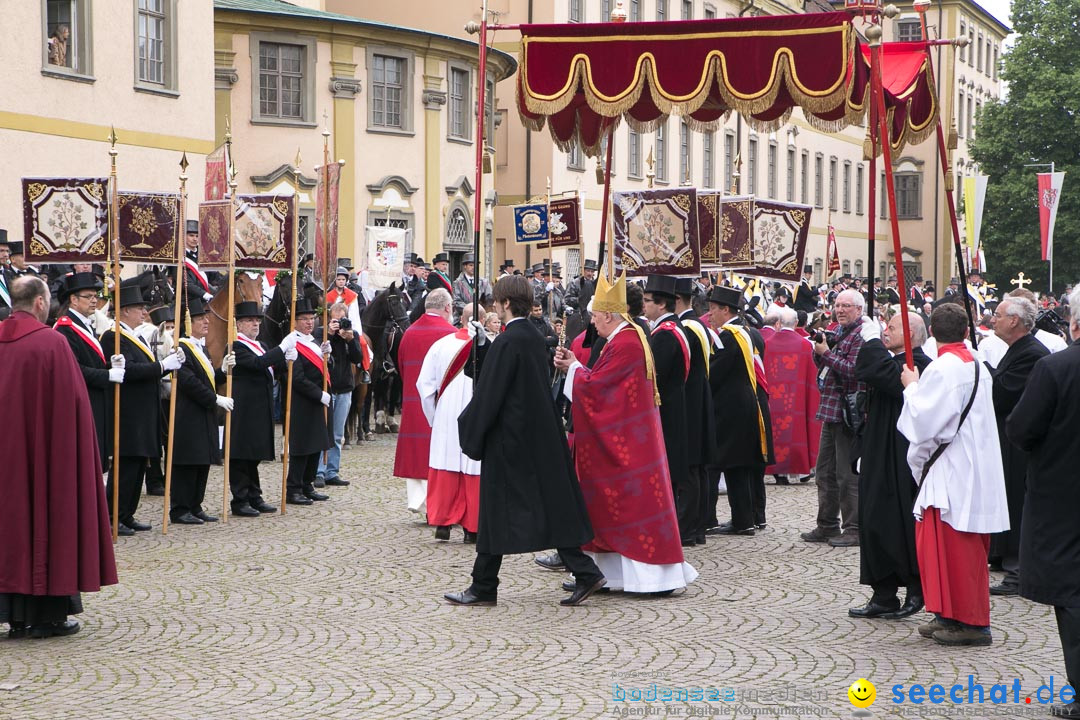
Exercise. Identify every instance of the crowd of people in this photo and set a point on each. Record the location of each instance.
(638, 405)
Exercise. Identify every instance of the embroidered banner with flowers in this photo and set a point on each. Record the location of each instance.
(656, 232)
(724, 227)
(148, 226)
(65, 219)
(564, 223)
(779, 232)
(263, 231)
(326, 221)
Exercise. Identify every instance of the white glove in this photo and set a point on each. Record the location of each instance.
(289, 341)
(549, 287)
(116, 375)
(870, 329)
(172, 361)
(326, 348)
(118, 361)
(207, 297)
(325, 399)
(291, 354)
(225, 403)
(477, 330)
(180, 354)
(228, 362)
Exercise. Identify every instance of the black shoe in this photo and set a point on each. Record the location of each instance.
(59, 629)
(155, 490)
(1072, 710)
(124, 531)
(582, 593)
(296, 498)
(187, 519)
(782, 480)
(552, 561)
(912, 605)
(874, 609)
(466, 597)
(470, 538)
(318, 497)
(16, 630)
(729, 529)
(337, 482)
(137, 526)
(1005, 588)
(761, 526)
(688, 542)
(205, 517)
(319, 482)
(848, 539)
(245, 510)
(442, 533)
(570, 586)
(262, 506)
(700, 539)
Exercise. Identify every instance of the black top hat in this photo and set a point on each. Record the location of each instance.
(509, 263)
(684, 286)
(661, 285)
(557, 272)
(303, 307)
(162, 314)
(307, 258)
(16, 247)
(590, 264)
(345, 263)
(131, 295)
(468, 258)
(342, 271)
(79, 281)
(410, 257)
(441, 257)
(192, 227)
(3, 237)
(248, 309)
(727, 296)
(538, 267)
(196, 308)
(417, 260)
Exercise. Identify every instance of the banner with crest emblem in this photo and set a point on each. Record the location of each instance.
(148, 226)
(656, 232)
(65, 219)
(564, 223)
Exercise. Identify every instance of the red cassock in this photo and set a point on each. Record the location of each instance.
(793, 403)
(54, 525)
(620, 457)
(414, 435)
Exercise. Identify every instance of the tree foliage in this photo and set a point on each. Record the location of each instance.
(1039, 122)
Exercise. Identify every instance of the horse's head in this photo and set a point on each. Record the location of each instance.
(396, 307)
(249, 286)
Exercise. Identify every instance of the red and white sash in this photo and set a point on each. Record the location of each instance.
(671, 327)
(313, 354)
(199, 274)
(255, 347)
(461, 358)
(86, 336)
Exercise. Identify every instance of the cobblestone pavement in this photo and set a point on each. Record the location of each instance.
(336, 611)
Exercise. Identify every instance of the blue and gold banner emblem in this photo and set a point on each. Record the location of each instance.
(530, 223)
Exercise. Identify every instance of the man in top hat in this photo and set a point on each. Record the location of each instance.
(439, 277)
(467, 284)
(743, 436)
(80, 292)
(253, 416)
(5, 279)
(342, 294)
(309, 433)
(417, 282)
(672, 357)
(581, 288)
(140, 428)
(692, 506)
(619, 444)
(407, 266)
(551, 296)
(507, 268)
(195, 434)
(199, 285)
(18, 267)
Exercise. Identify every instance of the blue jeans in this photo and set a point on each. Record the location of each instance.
(339, 411)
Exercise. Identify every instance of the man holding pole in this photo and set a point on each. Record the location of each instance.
(310, 432)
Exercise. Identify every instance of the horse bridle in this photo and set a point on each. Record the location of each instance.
(390, 333)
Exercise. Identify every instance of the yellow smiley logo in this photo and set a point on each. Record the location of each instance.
(862, 693)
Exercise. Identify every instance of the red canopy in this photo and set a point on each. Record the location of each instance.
(580, 78)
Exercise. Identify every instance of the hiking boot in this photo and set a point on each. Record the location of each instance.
(963, 635)
(817, 535)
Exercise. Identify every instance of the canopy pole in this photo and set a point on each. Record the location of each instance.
(607, 202)
(478, 206)
(871, 222)
(181, 275)
(292, 328)
(114, 245)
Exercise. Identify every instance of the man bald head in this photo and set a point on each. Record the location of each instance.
(31, 294)
(893, 336)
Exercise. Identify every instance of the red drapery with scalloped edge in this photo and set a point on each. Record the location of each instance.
(579, 79)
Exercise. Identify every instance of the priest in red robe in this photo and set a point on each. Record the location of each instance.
(793, 398)
(620, 456)
(414, 436)
(54, 526)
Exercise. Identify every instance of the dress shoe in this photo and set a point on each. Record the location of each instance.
(570, 586)
(688, 542)
(874, 609)
(245, 510)
(729, 529)
(1072, 710)
(700, 538)
(316, 496)
(319, 482)
(297, 499)
(187, 519)
(848, 539)
(262, 506)
(552, 561)
(47, 630)
(582, 592)
(155, 490)
(761, 526)
(124, 531)
(1005, 588)
(470, 538)
(467, 597)
(963, 635)
(912, 605)
(16, 631)
(205, 517)
(782, 480)
(818, 535)
(805, 478)
(721, 529)
(137, 526)
(337, 482)
(442, 533)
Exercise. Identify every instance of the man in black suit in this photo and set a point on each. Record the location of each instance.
(806, 295)
(309, 433)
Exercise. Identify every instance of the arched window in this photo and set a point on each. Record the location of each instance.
(859, 269)
(845, 267)
(457, 228)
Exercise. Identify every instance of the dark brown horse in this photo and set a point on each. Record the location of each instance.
(385, 321)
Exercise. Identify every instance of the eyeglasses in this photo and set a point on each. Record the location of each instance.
(86, 296)
(841, 306)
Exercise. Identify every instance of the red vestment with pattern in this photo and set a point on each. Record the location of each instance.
(414, 434)
(793, 403)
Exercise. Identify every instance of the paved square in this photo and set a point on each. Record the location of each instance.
(336, 611)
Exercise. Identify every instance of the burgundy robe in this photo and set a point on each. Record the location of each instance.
(54, 525)
(793, 403)
(414, 435)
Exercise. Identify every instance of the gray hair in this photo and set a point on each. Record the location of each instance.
(436, 299)
(772, 315)
(854, 297)
(918, 329)
(339, 306)
(1074, 305)
(1021, 308)
(787, 318)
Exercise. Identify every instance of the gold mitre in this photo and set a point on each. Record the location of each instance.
(610, 297)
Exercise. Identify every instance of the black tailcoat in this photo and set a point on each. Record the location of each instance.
(738, 439)
(253, 413)
(95, 372)
(671, 386)
(195, 433)
(140, 409)
(700, 419)
(309, 430)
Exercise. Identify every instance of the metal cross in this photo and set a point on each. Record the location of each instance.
(1020, 281)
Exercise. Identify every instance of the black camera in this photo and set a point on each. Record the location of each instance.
(344, 324)
(826, 336)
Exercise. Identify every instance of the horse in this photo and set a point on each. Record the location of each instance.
(275, 322)
(356, 425)
(248, 288)
(385, 322)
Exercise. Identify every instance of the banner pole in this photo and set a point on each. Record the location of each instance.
(230, 323)
(114, 245)
(292, 327)
(326, 274)
(481, 126)
(177, 303)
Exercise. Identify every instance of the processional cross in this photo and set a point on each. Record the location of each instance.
(1020, 281)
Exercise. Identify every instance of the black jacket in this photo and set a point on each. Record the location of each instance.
(195, 433)
(671, 385)
(95, 372)
(344, 357)
(309, 430)
(253, 393)
(140, 409)
(700, 421)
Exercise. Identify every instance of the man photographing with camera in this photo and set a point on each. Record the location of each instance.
(838, 487)
(345, 353)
